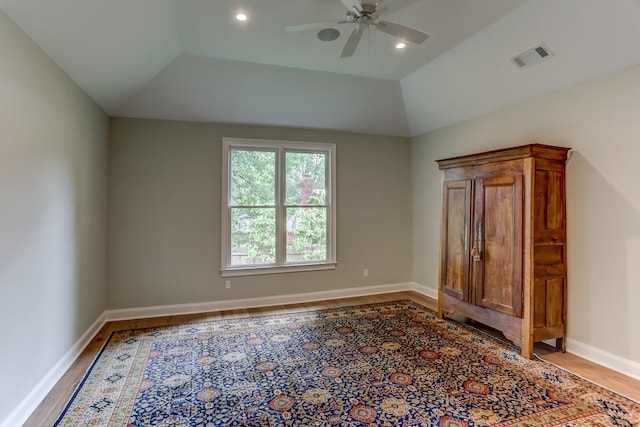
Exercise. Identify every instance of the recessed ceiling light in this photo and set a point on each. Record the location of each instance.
(241, 16)
(328, 34)
(401, 45)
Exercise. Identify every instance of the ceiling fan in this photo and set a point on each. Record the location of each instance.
(366, 14)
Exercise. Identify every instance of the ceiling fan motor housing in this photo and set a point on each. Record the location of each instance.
(368, 9)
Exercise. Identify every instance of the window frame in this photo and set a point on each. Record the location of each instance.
(280, 265)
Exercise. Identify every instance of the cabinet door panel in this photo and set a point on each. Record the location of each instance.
(455, 239)
(498, 234)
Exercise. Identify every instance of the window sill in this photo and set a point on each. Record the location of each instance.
(253, 271)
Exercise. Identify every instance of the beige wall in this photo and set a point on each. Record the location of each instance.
(53, 142)
(164, 213)
(600, 120)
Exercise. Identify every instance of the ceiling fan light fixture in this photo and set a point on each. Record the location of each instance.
(365, 14)
(241, 17)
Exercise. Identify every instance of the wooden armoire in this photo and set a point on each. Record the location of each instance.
(503, 256)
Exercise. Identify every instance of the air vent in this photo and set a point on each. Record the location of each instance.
(532, 56)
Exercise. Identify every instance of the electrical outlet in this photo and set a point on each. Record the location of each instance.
(227, 284)
(365, 273)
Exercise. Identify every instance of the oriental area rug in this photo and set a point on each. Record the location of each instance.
(386, 364)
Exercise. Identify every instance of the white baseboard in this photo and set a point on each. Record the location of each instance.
(426, 291)
(40, 391)
(29, 403)
(609, 360)
(178, 309)
(601, 357)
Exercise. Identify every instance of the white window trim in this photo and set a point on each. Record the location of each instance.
(226, 269)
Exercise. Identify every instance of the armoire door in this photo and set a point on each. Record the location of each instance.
(454, 267)
(497, 239)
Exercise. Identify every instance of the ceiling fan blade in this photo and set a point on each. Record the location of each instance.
(402, 32)
(378, 13)
(352, 5)
(352, 42)
(310, 26)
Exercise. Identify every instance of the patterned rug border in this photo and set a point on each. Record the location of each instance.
(540, 359)
(590, 381)
(504, 343)
(89, 370)
(309, 314)
(269, 315)
(85, 377)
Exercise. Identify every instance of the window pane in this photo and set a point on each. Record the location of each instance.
(306, 234)
(253, 178)
(305, 174)
(253, 236)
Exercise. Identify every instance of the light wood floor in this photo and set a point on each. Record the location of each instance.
(50, 408)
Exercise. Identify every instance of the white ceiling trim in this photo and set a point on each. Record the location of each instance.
(188, 59)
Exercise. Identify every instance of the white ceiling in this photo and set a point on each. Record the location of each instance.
(190, 60)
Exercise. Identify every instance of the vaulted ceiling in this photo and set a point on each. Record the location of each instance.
(191, 60)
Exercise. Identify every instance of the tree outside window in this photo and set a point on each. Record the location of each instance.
(280, 205)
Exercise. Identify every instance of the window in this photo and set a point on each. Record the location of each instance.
(278, 207)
